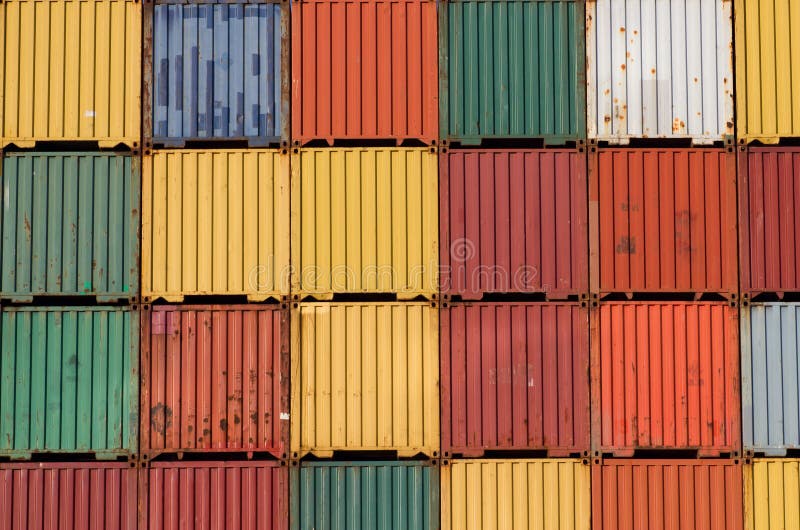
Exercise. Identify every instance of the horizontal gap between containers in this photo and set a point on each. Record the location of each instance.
(220, 299)
(514, 297)
(363, 143)
(7, 301)
(364, 297)
(512, 143)
(36, 456)
(665, 296)
(365, 456)
(202, 455)
(228, 143)
(666, 454)
(672, 143)
(93, 147)
(774, 141)
(515, 454)
(762, 296)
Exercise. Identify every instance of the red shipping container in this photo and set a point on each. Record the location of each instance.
(215, 378)
(769, 219)
(215, 495)
(514, 376)
(364, 69)
(644, 494)
(513, 221)
(663, 220)
(666, 376)
(56, 496)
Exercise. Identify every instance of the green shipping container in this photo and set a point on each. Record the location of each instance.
(368, 495)
(69, 381)
(512, 69)
(70, 225)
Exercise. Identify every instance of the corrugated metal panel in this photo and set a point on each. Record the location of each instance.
(515, 376)
(666, 375)
(767, 69)
(771, 493)
(771, 377)
(215, 378)
(515, 495)
(769, 219)
(659, 69)
(364, 69)
(71, 71)
(365, 376)
(74, 496)
(365, 220)
(374, 495)
(669, 494)
(70, 224)
(215, 222)
(663, 220)
(512, 69)
(220, 72)
(215, 495)
(69, 381)
(490, 197)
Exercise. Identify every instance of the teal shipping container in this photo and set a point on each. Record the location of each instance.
(69, 381)
(368, 495)
(70, 225)
(512, 69)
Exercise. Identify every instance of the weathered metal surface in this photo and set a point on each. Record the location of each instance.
(771, 493)
(365, 377)
(515, 376)
(70, 225)
(659, 69)
(364, 70)
(69, 381)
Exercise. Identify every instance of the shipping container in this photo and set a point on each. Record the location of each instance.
(69, 381)
(215, 222)
(549, 494)
(669, 494)
(365, 220)
(214, 495)
(364, 70)
(769, 220)
(216, 72)
(666, 376)
(771, 493)
(70, 71)
(215, 378)
(70, 225)
(659, 70)
(513, 221)
(68, 496)
(771, 377)
(364, 494)
(663, 220)
(767, 70)
(512, 69)
(515, 376)
(365, 377)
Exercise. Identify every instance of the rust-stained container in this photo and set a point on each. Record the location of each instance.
(215, 379)
(215, 222)
(665, 376)
(214, 495)
(68, 496)
(771, 493)
(364, 70)
(769, 220)
(365, 377)
(515, 376)
(663, 220)
(667, 494)
(513, 221)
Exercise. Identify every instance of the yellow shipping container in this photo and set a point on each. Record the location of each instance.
(772, 494)
(548, 494)
(767, 69)
(365, 376)
(71, 70)
(215, 222)
(365, 221)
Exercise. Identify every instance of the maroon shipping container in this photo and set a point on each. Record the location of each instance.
(513, 221)
(215, 378)
(663, 220)
(666, 376)
(515, 376)
(769, 219)
(638, 494)
(215, 495)
(56, 496)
